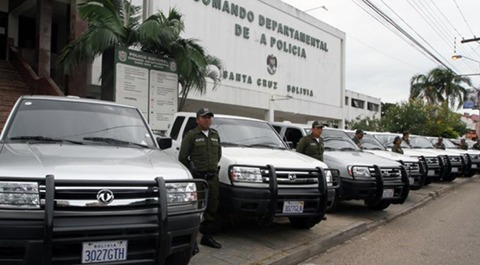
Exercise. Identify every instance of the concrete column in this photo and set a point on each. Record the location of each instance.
(44, 37)
(80, 78)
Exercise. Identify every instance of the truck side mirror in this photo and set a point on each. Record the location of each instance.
(164, 142)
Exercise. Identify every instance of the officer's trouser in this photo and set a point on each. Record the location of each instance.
(206, 227)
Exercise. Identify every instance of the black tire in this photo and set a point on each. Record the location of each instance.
(415, 187)
(304, 222)
(180, 258)
(333, 207)
(382, 205)
(449, 178)
(428, 180)
(469, 174)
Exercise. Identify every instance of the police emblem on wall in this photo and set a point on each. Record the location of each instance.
(271, 64)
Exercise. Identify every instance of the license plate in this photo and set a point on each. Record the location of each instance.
(388, 193)
(474, 165)
(411, 181)
(454, 169)
(103, 251)
(431, 173)
(293, 207)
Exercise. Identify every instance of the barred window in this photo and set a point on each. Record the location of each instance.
(356, 103)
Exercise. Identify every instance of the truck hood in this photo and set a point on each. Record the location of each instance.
(66, 161)
(356, 158)
(392, 155)
(266, 156)
(419, 152)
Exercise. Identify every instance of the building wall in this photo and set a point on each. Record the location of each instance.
(310, 58)
(360, 106)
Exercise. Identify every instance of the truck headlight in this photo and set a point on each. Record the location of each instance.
(246, 174)
(178, 193)
(359, 172)
(19, 195)
(328, 177)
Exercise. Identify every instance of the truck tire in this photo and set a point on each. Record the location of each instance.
(180, 258)
(333, 207)
(382, 205)
(304, 222)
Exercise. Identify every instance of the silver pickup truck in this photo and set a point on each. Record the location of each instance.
(85, 182)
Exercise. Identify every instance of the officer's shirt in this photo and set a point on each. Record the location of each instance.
(308, 145)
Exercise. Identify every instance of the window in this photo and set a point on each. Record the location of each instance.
(346, 101)
(177, 125)
(293, 135)
(372, 106)
(356, 103)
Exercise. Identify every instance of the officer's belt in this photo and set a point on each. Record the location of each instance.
(207, 174)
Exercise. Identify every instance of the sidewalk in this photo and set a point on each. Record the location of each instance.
(281, 244)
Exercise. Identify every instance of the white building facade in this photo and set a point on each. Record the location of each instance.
(279, 62)
(360, 106)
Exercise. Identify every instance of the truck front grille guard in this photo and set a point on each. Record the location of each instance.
(381, 182)
(273, 188)
(158, 186)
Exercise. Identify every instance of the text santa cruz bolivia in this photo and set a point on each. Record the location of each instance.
(270, 24)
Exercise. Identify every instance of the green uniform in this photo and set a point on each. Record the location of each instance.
(309, 146)
(357, 142)
(397, 149)
(204, 153)
(439, 146)
(463, 146)
(476, 146)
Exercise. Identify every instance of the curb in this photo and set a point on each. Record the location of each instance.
(309, 249)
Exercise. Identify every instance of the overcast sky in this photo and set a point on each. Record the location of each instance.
(379, 62)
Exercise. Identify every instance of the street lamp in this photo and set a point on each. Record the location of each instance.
(457, 57)
(271, 109)
(315, 8)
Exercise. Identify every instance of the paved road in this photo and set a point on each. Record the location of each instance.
(280, 244)
(446, 231)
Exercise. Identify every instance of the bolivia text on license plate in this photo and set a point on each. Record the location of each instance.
(454, 169)
(388, 193)
(474, 166)
(293, 207)
(102, 251)
(431, 173)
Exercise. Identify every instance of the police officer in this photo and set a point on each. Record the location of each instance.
(396, 148)
(201, 151)
(463, 144)
(439, 144)
(312, 144)
(405, 138)
(476, 146)
(357, 137)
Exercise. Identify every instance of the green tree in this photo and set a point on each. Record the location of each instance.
(440, 86)
(116, 23)
(424, 119)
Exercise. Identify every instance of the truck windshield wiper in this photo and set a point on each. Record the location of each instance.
(329, 148)
(113, 141)
(230, 144)
(267, 145)
(347, 149)
(43, 139)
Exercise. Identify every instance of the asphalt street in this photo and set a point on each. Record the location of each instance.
(247, 243)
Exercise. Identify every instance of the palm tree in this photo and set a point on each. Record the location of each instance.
(440, 85)
(116, 23)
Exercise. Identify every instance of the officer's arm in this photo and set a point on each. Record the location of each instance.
(301, 146)
(186, 149)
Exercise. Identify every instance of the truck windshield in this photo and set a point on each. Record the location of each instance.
(249, 133)
(78, 122)
(420, 142)
(338, 140)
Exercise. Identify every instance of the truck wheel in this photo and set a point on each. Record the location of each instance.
(382, 205)
(469, 174)
(304, 222)
(180, 258)
(428, 180)
(333, 207)
(449, 178)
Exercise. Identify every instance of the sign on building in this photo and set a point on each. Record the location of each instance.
(149, 83)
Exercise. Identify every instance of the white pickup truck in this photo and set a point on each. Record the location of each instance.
(85, 182)
(260, 176)
(377, 181)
